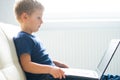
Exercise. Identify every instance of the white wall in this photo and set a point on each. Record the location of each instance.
(6, 12)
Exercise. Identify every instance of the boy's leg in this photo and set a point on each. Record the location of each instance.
(72, 78)
(67, 78)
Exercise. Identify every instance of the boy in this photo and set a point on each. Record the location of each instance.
(32, 55)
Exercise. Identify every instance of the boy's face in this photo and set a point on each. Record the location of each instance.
(34, 21)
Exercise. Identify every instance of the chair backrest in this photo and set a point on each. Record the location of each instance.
(10, 68)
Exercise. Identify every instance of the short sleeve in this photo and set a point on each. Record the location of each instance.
(23, 45)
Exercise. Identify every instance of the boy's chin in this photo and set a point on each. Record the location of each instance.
(36, 30)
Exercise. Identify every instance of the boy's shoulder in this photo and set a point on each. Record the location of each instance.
(22, 34)
(24, 37)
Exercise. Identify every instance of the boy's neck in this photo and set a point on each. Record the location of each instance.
(26, 29)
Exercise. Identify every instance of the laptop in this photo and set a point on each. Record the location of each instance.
(101, 68)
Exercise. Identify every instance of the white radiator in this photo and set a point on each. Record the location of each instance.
(80, 44)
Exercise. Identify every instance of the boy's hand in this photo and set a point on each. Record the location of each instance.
(56, 72)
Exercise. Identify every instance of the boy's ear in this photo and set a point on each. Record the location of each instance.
(24, 17)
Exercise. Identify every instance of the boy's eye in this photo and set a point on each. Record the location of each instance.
(38, 17)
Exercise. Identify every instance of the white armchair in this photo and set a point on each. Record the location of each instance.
(9, 65)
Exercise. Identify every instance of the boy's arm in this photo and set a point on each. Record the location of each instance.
(59, 64)
(36, 68)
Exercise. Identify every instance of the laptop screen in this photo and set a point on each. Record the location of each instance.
(109, 53)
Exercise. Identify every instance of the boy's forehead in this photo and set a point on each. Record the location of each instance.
(38, 11)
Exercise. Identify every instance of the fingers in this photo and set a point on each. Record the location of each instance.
(57, 73)
(61, 74)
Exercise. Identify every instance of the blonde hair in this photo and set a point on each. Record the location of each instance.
(27, 6)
